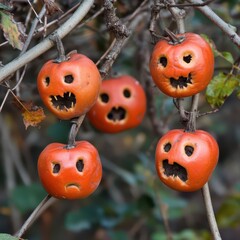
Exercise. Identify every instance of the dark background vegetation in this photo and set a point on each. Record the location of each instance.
(130, 198)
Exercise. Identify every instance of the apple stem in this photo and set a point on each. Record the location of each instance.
(174, 39)
(77, 122)
(55, 38)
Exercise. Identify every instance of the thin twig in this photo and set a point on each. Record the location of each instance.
(121, 33)
(43, 29)
(210, 213)
(179, 15)
(35, 214)
(229, 30)
(15, 87)
(32, 30)
(99, 12)
(182, 5)
(34, 11)
(155, 13)
(137, 11)
(107, 52)
(192, 117)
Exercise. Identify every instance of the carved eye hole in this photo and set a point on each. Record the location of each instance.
(189, 150)
(167, 147)
(80, 165)
(163, 61)
(187, 59)
(104, 97)
(56, 168)
(47, 81)
(126, 93)
(68, 79)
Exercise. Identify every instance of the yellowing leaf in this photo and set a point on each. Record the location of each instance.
(228, 214)
(32, 114)
(220, 88)
(13, 31)
(33, 117)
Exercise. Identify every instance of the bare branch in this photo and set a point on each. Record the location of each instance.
(46, 44)
(46, 202)
(120, 32)
(210, 212)
(182, 5)
(229, 30)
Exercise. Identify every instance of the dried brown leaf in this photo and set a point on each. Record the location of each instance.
(32, 115)
(52, 7)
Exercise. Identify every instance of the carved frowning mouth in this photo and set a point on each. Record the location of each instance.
(63, 103)
(73, 185)
(175, 170)
(117, 114)
(181, 82)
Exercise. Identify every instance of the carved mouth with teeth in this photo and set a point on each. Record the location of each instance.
(117, 114)
(181, 82)
(175, 170)
(64, 103)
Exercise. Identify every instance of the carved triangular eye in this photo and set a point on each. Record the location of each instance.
(56, 168)
(80, 165)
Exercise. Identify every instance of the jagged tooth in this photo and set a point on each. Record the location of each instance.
(72, 104)
(65, 108)
(58, 108)
(55, 98)
(69, 94)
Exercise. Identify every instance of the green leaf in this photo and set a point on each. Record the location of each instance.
(26, 198)
(13, 31)
(187, 234)
(225, 55)
(83, 219)
(4, 236)
(118, 235)
(220, 88)
(228, 57)
(159, 236)
(229, 213)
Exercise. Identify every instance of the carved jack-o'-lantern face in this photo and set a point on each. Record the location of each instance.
(182, 69)
(121, 105)
(70, 173)
(70, 88)
(186, 160)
